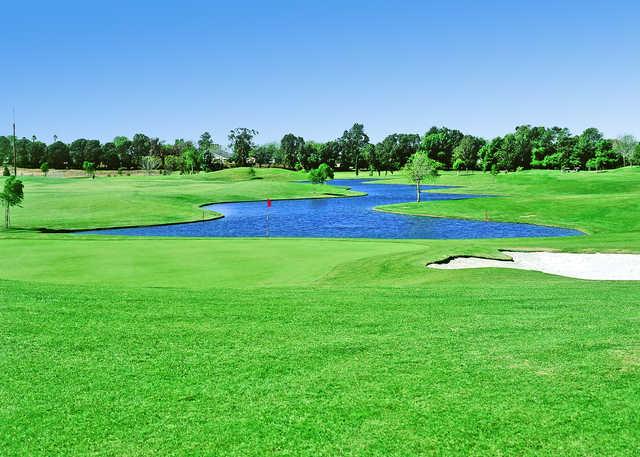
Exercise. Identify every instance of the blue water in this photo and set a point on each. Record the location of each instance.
(351, 217)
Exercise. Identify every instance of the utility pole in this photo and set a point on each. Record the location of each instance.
(15, 156)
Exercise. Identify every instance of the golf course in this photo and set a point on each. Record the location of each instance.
(154, 345)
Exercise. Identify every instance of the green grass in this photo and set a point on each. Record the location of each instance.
(83, 203)
(152, 346)
(593, 202)
(498, 363)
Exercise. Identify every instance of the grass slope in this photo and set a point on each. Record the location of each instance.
(117, 346)
(516, 364)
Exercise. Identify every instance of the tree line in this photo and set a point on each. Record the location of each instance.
(527, 147)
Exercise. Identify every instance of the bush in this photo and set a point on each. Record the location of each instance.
(5, 171)
(326, 170)
(321, 174)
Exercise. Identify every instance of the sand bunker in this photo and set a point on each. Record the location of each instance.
(615, 267)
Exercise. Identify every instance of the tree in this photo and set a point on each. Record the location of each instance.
(458, 165)
(172, 163)
(394, 151)
(241, 143)
(291, 147)
(58, 155)
(625, 146)
(190, 159)
(420, 167)
(465, 154)
(585, 147)
(12, 195)
(605, 156)
(44, 168)
(77, 153)
(373, 157)
(321, 174)
(150, 163)
(204, 143)
(89, 168)
(140, 147)
(110, 157)
(439, 143)
(124, 151)
(635, 159)
(352, 143)
(38, 153)
(326, 171)
(265, 154)
(5, 170)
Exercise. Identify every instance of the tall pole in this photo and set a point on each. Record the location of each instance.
(15, 156)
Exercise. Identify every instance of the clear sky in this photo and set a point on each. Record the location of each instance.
(174, 69)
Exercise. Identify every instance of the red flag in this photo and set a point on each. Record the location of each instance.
(268, 203)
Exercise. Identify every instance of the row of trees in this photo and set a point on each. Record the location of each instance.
(121, 153)
(526, 147)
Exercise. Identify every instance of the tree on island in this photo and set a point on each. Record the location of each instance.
(421, 168)
(12, 195)
(321, 174)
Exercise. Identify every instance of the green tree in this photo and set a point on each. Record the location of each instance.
(625, 147)
(241, 143)
(58, 155)
(635, 159)
(321, 174)
(439, 143)
(173, 163)
(89, 168)
(12, 195)
(585, 147)
(150, 163)
(352, 143)
(326, 171)
(291, 147)
(465, 154)
(38, 153)
(5, 170)
(265, 154)
(419, 168)
(124, 152)
(140, 147)
(110, 157)
(44, 168)
(190, 159)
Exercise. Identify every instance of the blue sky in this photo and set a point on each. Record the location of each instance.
(175, 69)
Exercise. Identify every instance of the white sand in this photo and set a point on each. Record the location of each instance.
(616, 267)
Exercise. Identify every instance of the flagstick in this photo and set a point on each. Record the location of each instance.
(267, 214)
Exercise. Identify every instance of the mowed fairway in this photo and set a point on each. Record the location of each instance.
(138, 346)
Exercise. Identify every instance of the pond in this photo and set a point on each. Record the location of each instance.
(347, 217)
